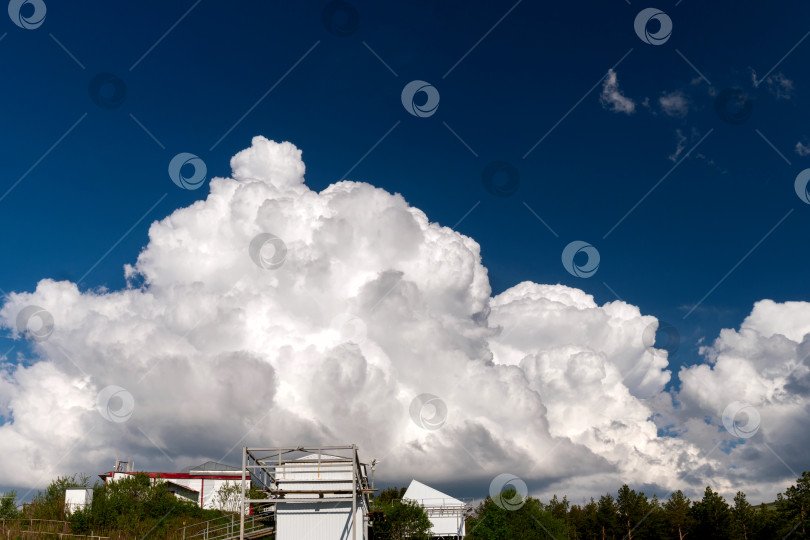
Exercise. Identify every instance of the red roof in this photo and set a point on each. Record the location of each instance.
(169, 475)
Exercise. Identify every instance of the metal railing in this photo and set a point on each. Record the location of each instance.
(227, 527)
(440, 507)
(38, 524)
(67, 535)
(39, 527)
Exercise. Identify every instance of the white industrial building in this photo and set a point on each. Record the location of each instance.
(316, 493)
(198, 484)
(447, 514)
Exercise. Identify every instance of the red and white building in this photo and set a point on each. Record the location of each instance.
(199, 484)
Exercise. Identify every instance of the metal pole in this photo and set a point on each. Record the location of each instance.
(242, 501)
(354, 493)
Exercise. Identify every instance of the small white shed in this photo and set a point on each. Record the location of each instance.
(446, 513)
(77, 498)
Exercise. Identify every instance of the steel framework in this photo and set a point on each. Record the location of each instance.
(301, 475)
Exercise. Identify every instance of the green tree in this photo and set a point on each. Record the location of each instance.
(513, 517)
(80, 521)
(402, 518)
(391, 494)
(559, 510)
(794, 506)
(138, 504)
(766, 523)
(8, 505)
(633, 508)
(50, 504)
(712, 516)
(228, 496)
(577, 522)
(408, 519)
(677, 515)
(742, 515)
(590, 528)
(653, 525)
(607, 516)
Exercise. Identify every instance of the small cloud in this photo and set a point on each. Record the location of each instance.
(780, 86)
(674, 104)
(710, 162)
(683, 139)
(802, 149)
(612, 98)
(681, 146)
(777, 84)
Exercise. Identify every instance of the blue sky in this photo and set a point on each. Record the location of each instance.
(612, 141)
(500, 95)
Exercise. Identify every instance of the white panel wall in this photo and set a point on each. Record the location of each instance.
(447, 525)
(318, 521)
(76, 499)
(297, 476)
(209, 493)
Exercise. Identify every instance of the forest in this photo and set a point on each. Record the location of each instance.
(135, 508)
(630, 514)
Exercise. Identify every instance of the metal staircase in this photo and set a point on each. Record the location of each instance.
(227, 528)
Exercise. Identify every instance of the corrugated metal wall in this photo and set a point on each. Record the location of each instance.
(318, 521)
(310, 476)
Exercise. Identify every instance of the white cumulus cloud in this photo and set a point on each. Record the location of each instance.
(764, 364)
(371, 305)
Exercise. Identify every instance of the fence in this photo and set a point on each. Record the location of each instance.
(227, 527)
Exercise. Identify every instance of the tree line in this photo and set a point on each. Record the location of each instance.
(137, 505)
(631, 515)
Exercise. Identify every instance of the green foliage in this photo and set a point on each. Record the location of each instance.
(403, 518)
(525, 519)
(607, 516)
(794, 507)
(408, 519)
(677, 516)
(50, 504)
(559, 510)
(80, 521)
(132, 506)
(712, 516)
(8, 505)
(766, 523)
(228, 496)
(391, 494)
(134, 503)
(139, 507)
(742, 517)
(633, 510)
